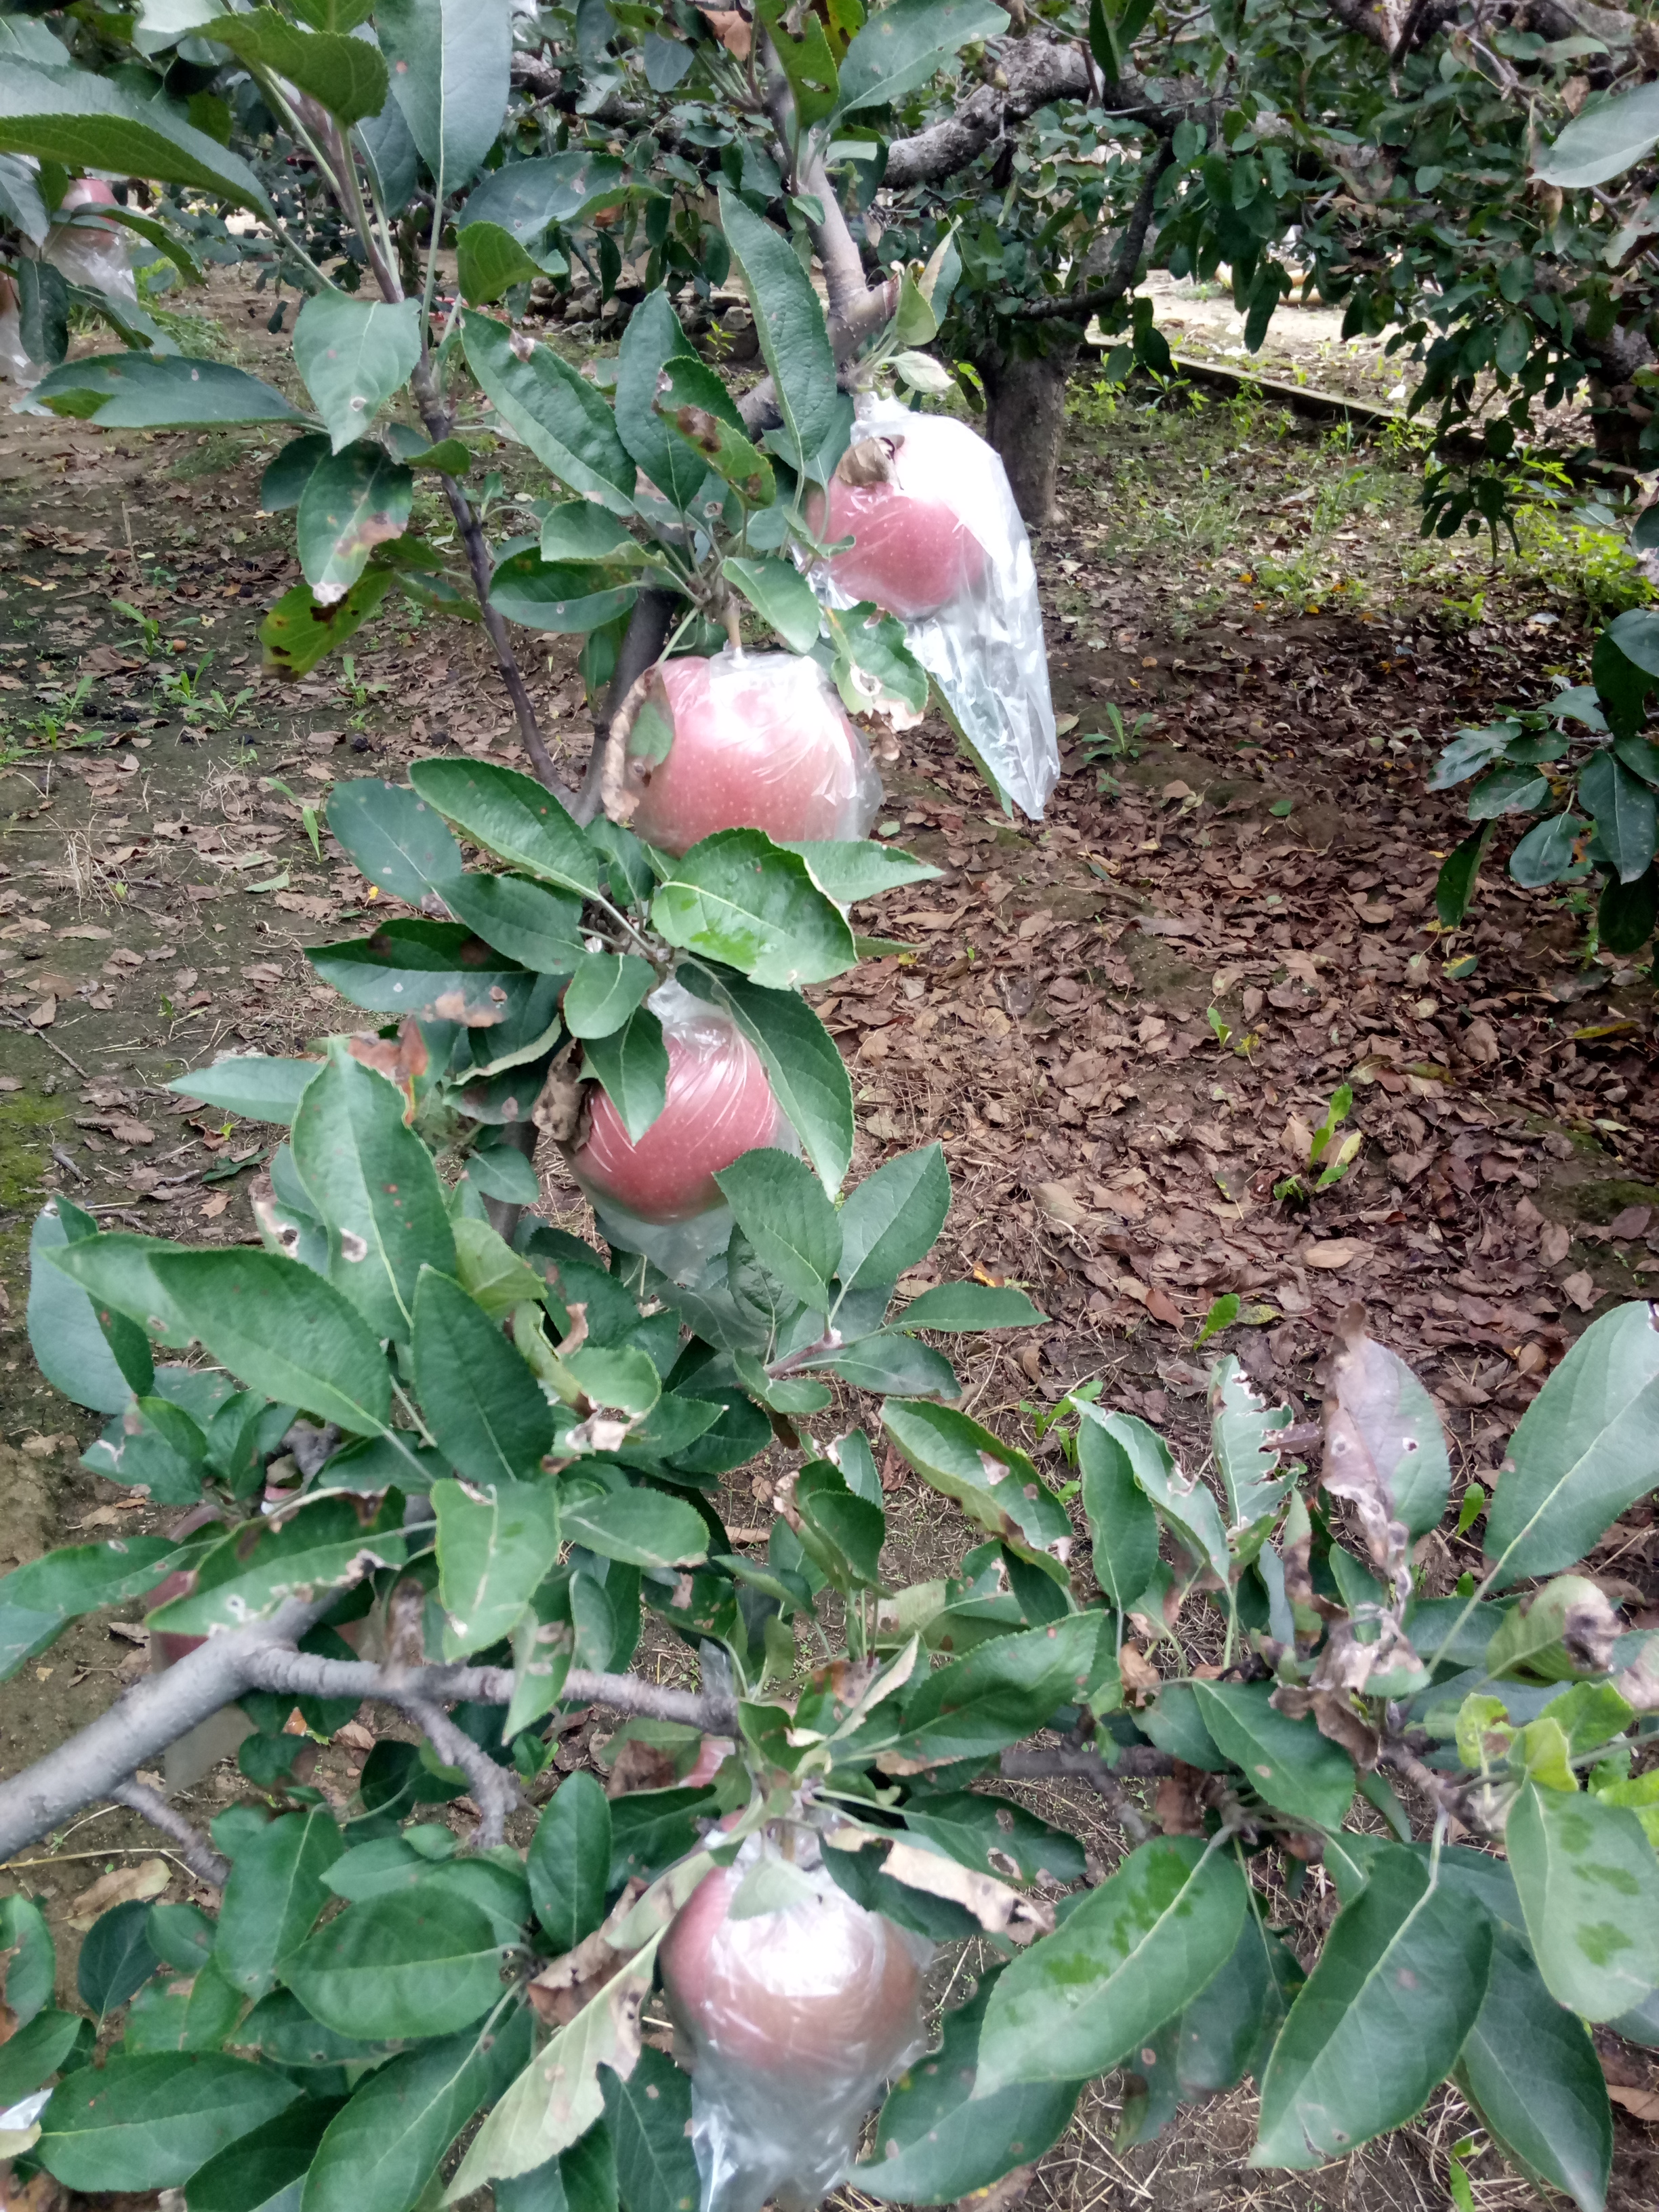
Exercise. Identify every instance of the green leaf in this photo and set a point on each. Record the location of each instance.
(641, 1527)
(739, 898)
(327, 1543)
(279, 1327)
(353, 501)
(807, 1074)
(560, 598)
(276, 1890)
(81, 120)
(299, 630)
(996, 1485)
(1286, 1762)
(381, 2152)
(578, 530)
(116, 1957)
(449, 74)
(806, 58)
(859, 868)
(494, 1548)
(144, 392)
(985, 1832)
(603, 991)
(1545, 854)
(569, 1862)
(780, 595)
(648, 2118)
(903, 46)
(32, 2052)
(1530, 2070)
(1603, 142)
(694, 405)
(490, 261)
(481, 1401)
(539, 928)
(1380, 2019)
(138, 2123)
(935, 2146)
(1587, 1448)
(420, 1963)
(780, 1207)
(631, 1068)
(435, 970)
(251, 1083)
(1136, 1951)
(894, 1363)
(38, 1601)
(1589, 1884)
(789, 323)
(348, 75)
(554, 410)
(1232, 2025)
(375, 1190)
(1454, 886)
(95, 1360)
(31, 1966)
(526, 199)
(1122, 1526)
(955, 1308)
(1533, 1637)
(398, 840)
(582, 2178)
(354, 353)
(841, 1533)
(490, 1272)
(1627, 818)
(513, 817)
(1242, 1428)
(264, 2170)
(1627, 912)
(1181, 1502)
(197, 2014)
(653, 336)
(1007, 1688)
(874, 645)
(892, 1219)
(1504, 790)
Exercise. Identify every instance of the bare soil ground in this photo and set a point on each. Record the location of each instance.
(1109, 1021)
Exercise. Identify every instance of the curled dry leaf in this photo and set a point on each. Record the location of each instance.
(558, 1109)
(146, 1879)
(1176, 1805)
(1335, 1718)
(999, 1909)
(1371, 1438)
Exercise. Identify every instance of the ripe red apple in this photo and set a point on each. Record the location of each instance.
(908, 496)
(720, 1105)
(804, 1997)
(760, 742)
(86, 192)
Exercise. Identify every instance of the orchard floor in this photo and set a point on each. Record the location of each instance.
(1110, 1021)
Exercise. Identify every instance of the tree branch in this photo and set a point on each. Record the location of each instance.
(494, 1788)
(194, 1849)
(139, 1727)
(1136, 1760)
(1126, 262)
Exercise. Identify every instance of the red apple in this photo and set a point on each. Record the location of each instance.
(720, 1105)
(760, 742)
(806, 1996)
(910, 496)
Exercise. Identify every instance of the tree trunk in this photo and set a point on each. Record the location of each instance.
(1025, 416)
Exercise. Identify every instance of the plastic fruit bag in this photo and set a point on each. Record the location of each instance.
(794, 2011)
(659, 1196)
(15, 365)
(754, 740)
(90, 254)
(938, 542)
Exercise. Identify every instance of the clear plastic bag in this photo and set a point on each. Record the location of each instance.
(15, 365)
(791, 2017)
(659, 1197)
(759, 741)
(92, 255)
(940, 543)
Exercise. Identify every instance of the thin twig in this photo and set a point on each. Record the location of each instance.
(495, 1789)
(194, 1849)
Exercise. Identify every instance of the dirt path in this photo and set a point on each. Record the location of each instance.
(1110, 1023)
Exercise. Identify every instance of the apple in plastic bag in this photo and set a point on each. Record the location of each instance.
(913, 552)
(88, 193)
(759, 741)
(718, 1106)
(810, 1995)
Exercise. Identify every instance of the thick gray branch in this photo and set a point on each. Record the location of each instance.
(139, 1727)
